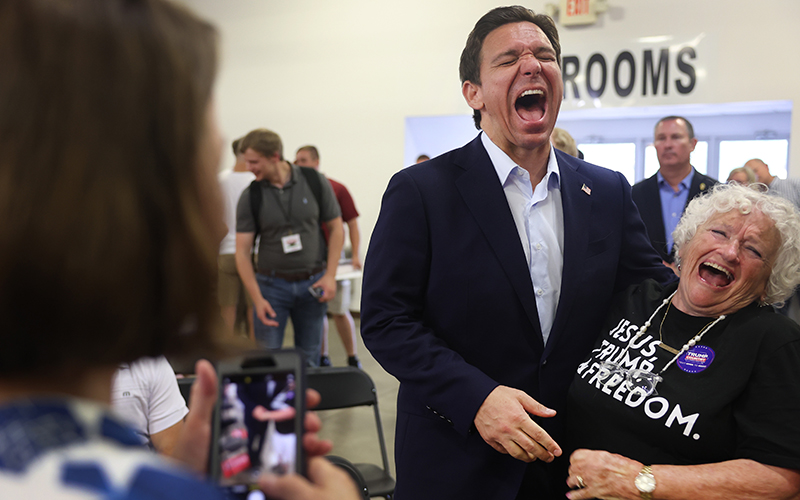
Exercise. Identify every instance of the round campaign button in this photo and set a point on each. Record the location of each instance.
(696, 359)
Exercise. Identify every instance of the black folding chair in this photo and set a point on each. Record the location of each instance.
(347, 387)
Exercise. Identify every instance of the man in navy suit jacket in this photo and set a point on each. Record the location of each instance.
(489, 274)
(662, 198)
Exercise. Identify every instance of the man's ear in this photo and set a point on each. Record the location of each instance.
(473, 95)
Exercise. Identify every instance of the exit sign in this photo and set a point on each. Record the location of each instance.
(577, 12)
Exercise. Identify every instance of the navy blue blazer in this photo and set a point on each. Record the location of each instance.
(448, 308)
(647, 198)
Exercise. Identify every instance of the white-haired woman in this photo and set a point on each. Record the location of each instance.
(693, 390)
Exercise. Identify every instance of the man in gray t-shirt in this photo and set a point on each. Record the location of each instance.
(295, 272)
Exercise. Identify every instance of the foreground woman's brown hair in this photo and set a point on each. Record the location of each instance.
(105, 255)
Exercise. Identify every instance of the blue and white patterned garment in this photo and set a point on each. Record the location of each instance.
(65, 449)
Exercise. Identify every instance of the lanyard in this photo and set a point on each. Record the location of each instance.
(286, 215)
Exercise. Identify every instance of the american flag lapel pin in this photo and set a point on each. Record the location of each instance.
(586, 189)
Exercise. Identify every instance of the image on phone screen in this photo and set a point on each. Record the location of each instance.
(257, 427)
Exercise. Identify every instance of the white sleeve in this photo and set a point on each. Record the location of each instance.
(166, 406)
(128, 401)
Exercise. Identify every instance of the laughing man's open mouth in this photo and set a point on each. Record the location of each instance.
(531, 105)
(715, 274)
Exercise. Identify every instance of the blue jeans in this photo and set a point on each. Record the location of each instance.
(292, 299)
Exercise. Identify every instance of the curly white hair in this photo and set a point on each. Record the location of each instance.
(723, 198)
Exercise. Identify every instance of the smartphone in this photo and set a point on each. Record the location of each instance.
(258, 419)
(316, 291)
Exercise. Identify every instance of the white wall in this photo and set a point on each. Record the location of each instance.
(345, 74)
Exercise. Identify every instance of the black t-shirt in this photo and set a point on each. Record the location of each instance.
(737, 395)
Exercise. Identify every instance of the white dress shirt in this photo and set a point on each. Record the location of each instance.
(539, 218)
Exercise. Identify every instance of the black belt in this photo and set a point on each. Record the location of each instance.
(291, 276)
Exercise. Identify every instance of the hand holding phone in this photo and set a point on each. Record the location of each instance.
(258, 422)
(316, 291)
(329, 483)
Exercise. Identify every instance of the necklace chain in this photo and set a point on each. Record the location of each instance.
(661, 328)
(691, 343)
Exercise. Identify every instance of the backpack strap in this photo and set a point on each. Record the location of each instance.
(255, 205)
(314, 182)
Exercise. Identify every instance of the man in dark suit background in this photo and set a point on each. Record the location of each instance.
(662, 198)
(489, 274)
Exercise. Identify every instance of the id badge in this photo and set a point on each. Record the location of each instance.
(291, 243)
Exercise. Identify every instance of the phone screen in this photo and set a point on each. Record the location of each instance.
(257, 423)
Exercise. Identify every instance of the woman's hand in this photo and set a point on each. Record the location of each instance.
(325, 482)
(314, 446)
(600, 474)
(192, 444)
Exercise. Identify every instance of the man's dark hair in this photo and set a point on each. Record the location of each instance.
(689, 127)
(235, 145)
(470, 66)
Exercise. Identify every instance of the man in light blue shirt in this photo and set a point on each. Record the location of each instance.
(662, 197)
(673, 201)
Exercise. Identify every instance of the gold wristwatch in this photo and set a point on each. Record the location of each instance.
(646, 483)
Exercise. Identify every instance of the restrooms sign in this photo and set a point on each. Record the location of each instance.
(642, 72)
